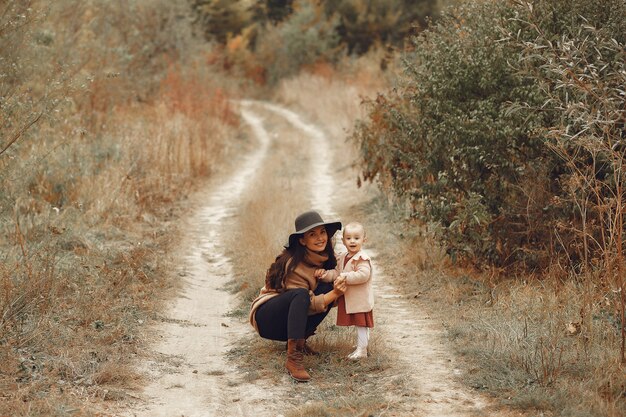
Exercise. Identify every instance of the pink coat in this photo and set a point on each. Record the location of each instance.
(358, 272)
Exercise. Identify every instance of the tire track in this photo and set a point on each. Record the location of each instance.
(190, 375)
(423, 357)
(322, 183)
(189, 372)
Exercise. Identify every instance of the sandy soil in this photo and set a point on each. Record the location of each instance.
(187, 367)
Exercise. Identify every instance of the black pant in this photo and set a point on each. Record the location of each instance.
(286, 315)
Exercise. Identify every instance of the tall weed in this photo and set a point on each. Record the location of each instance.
(582, 75)
(127, 119)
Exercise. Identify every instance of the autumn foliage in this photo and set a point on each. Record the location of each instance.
(491, 138)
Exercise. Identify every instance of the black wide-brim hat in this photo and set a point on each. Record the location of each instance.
(310, 220)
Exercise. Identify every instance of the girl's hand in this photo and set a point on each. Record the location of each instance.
(319, 273)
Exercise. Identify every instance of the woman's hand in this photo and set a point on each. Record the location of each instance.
(340, 286)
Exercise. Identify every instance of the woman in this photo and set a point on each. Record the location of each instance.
(293, 302)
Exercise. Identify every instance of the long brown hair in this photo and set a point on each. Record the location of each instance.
(281, 267)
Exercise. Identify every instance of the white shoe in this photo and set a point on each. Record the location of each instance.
(359, 353)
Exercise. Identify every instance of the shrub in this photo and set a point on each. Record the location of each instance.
(365, 23)
(223, 19)
(301, 40)
(269, 40)
(466, 137)
(582, 73)
(445, 141)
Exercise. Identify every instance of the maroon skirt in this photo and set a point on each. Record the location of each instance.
(354, 319)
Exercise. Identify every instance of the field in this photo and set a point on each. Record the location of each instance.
(117, 121)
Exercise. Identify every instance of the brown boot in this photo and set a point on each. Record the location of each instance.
(294, 360)
(308, 350)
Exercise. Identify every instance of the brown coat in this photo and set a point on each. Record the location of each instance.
(301, 277)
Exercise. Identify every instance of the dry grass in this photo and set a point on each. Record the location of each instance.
(332, 97)
(538, 345)
(89, 193)
(339, 386)
(547, 346)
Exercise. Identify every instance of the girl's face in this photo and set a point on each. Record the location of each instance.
(315, 239)
(353, 238)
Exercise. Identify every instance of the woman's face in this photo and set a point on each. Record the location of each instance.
(315, 239)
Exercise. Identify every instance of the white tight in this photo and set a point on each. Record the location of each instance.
(362, 337)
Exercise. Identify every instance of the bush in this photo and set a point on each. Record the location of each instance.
(445, 141)
(301, 40)
(582, 74)
(223, 19)
(466, 137)
(365, 23)
(269, 40)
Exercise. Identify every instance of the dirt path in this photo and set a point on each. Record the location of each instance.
(188, 370)
(423, 356)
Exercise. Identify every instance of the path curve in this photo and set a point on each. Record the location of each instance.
(322, 181)
(190, 375)
(423, 355)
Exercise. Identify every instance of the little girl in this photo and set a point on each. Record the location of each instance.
(354, 308)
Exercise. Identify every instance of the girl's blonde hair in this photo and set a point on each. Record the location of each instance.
(354, 225)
